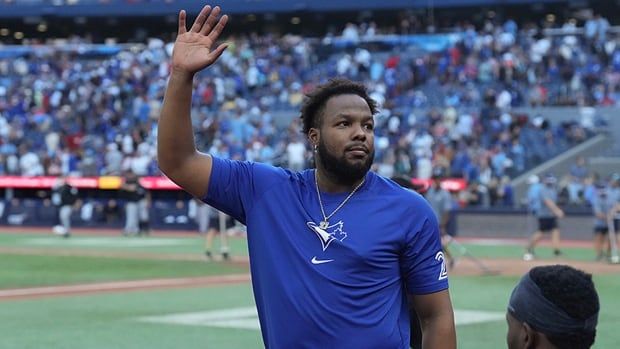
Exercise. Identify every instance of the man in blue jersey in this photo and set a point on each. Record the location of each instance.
(336, 253)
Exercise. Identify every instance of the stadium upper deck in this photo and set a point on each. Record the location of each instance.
(97, 8)
(135, 20)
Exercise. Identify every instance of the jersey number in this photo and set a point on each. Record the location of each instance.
(444, 271)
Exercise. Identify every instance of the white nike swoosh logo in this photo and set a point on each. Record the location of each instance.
(320, 261)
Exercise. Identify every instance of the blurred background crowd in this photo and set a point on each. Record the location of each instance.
(74, 107)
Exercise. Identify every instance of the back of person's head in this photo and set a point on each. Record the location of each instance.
(313, 107)
(559, 302)
(408, 184)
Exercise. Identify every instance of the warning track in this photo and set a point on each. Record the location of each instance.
(118, 286)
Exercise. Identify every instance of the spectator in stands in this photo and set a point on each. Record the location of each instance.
(579, 169)
(475, 195)
(504, 192)
(553, 306)
(296, 155)
(533, 192)
(83, 115)
(113, 160)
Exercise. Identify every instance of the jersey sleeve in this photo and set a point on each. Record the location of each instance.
(235, 185)
(422, 263)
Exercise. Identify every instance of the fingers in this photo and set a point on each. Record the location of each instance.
(211, 21)
(202, 17)
(182, 24)
(215, 54)
(215, 33)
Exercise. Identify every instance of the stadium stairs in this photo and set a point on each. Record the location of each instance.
(602, 152)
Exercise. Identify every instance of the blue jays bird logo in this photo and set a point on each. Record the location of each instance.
(329, 234)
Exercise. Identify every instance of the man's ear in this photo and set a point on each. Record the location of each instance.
(530, 336)
(313, 137)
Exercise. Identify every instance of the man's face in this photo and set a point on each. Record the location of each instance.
(346, 138)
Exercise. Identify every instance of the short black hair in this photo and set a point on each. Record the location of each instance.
(312, 109)
(573, 291)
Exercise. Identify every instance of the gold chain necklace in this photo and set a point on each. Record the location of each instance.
(325, 222)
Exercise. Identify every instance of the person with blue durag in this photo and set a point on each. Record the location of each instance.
(553, 307)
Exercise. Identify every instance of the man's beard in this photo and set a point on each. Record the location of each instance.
(341, 169)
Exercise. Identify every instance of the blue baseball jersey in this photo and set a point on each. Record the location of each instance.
(340, 287)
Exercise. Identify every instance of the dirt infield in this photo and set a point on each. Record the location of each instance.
(498, 266)
(464, 267)
(121, 286)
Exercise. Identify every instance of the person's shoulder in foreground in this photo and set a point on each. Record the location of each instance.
(553, 307)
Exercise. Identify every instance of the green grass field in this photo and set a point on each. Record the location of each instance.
(203, 317)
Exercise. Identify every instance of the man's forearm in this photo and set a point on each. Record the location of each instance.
(439, 333)
(175, 137)
(553, 207)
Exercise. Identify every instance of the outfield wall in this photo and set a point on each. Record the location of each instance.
(576, 225)
(479, 223)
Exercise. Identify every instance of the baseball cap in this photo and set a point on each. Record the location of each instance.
(550, 178)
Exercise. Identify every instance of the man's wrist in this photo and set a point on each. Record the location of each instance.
(181, 75)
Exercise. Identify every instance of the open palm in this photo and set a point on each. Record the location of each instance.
(194, 49)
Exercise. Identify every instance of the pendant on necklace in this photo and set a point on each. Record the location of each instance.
(323, 224)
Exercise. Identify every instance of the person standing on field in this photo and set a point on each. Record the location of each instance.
(602, 207)
(548, 214)
(64, 196)
(336, 252)
(133, 193)
(210, 223)
(441, 202)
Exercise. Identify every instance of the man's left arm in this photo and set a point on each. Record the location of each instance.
(436, 319)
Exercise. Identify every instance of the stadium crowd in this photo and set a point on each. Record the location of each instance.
(63, 113)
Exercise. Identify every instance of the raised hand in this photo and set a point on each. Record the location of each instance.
(193, 49)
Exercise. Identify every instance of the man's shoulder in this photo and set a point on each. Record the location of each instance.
(264, 172)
